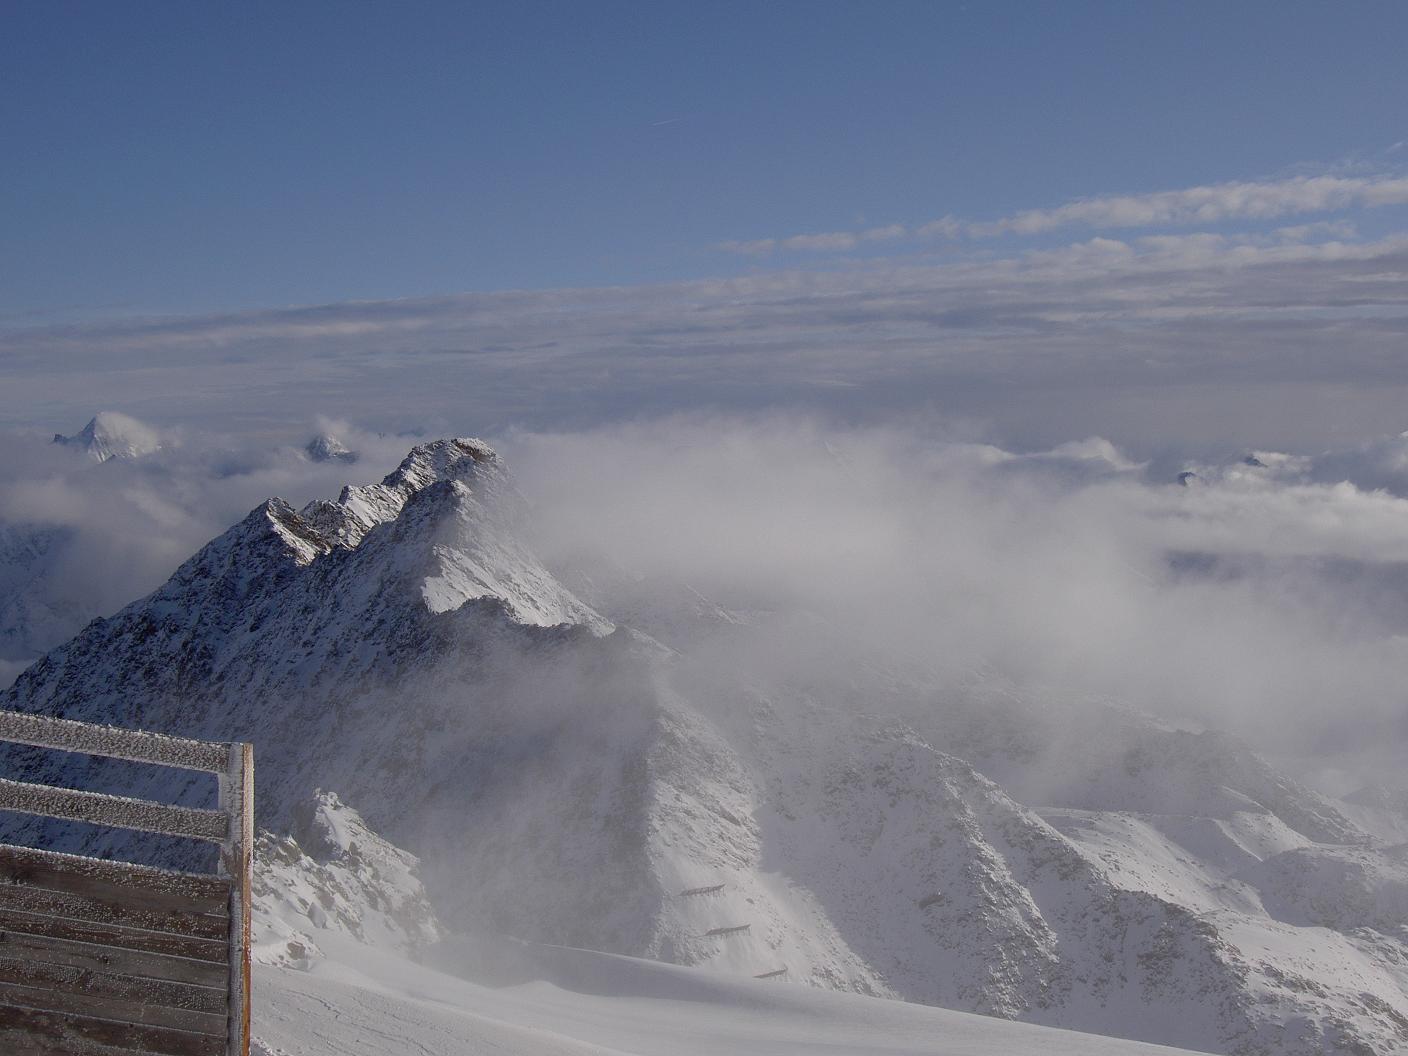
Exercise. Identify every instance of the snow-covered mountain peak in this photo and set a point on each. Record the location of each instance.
(277, 517)
(456, 458)
(111, 435)
(362, 506)
(344, 586)
(327, 448)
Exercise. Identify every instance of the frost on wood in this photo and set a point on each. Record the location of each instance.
(68, 872)
(117, 811)
(133, 745)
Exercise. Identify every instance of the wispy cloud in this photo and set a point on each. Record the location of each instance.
(1207, 205)
(822, 242)
(1182, 339)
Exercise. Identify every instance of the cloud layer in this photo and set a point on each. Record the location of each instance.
(1266, 596)
(1210, 205)
(1196, 343)
(1262, 600)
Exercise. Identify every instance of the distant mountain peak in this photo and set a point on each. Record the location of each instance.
(110, 435)
(327, 448)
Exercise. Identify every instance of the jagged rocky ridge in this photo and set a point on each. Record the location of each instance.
(566, 781)
(333, 875)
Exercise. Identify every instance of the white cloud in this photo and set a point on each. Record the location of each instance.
(758, 247)
(1161, 342)
(1069, 572)
(1207, 205)
(822, 242)
(826, 242)
(1340, 229)
(888, 233)
(944, 227)
(1256, 601)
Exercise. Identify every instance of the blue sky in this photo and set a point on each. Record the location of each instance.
(181, 158)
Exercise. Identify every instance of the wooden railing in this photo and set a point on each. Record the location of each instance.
(110, 958)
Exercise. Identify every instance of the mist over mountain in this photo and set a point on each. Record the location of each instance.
(732, 528)
(110, 435)
(863, 711)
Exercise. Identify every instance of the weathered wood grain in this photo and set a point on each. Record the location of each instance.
(174, 920)
(134, 745)
(143, 815)
(93, 877)
(15, 1041)
(102, 958)
(81, 1003)
(137, 990)
(20, 946)
(213, 950)
(77, 1035)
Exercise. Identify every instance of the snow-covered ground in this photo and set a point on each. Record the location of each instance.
(350, 960)
(576, 1003)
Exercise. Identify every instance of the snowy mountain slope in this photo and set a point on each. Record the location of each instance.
(1381, 811)
(957, 895)
(280, 633)
(570, 785)
(333, 875)
(33, 616)
(346, 963)
(354, 1004)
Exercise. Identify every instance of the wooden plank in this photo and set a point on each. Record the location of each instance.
(78, 1034)
(213, 950)
(82, 1003)
(207, 999)
(144, 815)
(67, 735)
(17, 1042)
(173, 921)
(20, 946)
(95, 878)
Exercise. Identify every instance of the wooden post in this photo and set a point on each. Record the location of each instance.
(237, 799)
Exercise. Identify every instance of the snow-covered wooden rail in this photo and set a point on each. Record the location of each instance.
(106, 958)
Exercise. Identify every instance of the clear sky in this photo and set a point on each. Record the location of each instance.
(190, 157)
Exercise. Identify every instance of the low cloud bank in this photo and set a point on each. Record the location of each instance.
(1268, 600)
(1195, 343)
(1266, 595)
